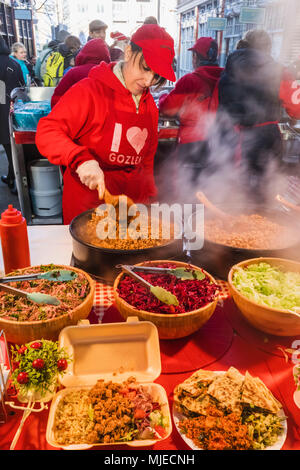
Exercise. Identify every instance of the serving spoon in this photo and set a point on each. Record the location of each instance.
(37, 297)
(159, 292)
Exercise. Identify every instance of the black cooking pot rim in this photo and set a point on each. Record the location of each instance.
(267, 251)
(111, 250)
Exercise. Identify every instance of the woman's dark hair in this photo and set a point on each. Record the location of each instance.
(242, 44)
(160, 81)
(73, 43)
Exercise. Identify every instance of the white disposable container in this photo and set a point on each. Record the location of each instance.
(111, 351)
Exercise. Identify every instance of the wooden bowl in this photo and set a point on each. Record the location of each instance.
(21, 332)
(169, 326)
(267, 319)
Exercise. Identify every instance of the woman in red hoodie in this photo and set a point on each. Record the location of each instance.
(104, 129)
(94, 52)
(191, 101)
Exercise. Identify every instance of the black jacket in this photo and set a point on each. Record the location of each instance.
(249, 88)
(11, 75)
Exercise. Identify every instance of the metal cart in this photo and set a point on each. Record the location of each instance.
(25, 151)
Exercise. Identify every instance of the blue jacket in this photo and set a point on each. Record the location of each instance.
(24, 68)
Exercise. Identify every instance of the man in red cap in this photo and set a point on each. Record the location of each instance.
(104, 129)
(191, 101)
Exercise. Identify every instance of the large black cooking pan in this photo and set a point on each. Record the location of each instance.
(101, 262)
(217, 259)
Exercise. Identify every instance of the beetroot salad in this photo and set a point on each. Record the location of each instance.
(70, 294)
(191, 294)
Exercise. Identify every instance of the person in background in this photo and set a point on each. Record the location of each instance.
(40, 65)
(97, 29)
(10, 77)
(69, 49)
(295, 68)
(52, 46)
(92, 53)
(118, 47)
(19, 54)
(150, 20)
(241, 44)
(190, 102)
(252, 93)
(105, 127)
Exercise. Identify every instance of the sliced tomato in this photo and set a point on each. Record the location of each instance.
(160, 430)
(139, 414)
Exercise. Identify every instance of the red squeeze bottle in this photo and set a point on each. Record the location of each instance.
(14, 240)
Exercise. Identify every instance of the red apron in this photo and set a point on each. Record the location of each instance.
(125, 143)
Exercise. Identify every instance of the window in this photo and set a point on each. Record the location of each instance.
(120, 11)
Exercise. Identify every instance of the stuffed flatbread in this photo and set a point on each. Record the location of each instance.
(255, 393)
(197, 383)
(227, 388)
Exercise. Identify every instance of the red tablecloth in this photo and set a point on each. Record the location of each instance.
(226, 340)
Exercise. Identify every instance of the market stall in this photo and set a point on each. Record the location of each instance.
(226, 340)
(39, 183)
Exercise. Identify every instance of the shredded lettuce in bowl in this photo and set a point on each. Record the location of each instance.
(269, 285)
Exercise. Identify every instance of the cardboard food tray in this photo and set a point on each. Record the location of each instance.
(110, 351)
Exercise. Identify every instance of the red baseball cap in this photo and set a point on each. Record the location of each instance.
(202, 45)
(158, 49)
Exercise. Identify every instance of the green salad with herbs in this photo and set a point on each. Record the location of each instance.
(263, 428)
(269, 285)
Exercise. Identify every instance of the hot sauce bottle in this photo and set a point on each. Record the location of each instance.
(14, 240)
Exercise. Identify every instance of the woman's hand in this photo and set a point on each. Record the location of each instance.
(92, 176)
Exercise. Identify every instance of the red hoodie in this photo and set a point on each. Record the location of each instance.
(190, 100)
(94, 52)
(97, 119)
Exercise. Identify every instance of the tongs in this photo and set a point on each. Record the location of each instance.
(37, 297)
(56, 275)
(180, 273)
(160, 293)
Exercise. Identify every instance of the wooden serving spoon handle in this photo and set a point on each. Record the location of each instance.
(209, 205)
(288, 204)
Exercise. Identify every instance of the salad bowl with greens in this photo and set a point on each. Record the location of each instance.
(267, 293)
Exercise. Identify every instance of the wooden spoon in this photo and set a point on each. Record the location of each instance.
(209, 205)
(288, 204)
(114, 199)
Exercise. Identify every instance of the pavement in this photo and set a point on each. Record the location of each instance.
(6, 197)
